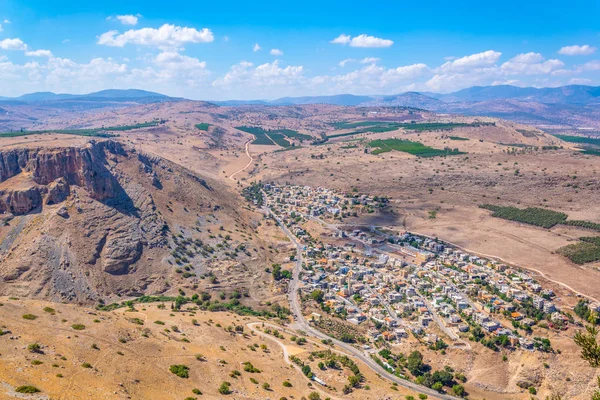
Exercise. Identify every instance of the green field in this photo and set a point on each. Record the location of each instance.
(457, 138)
(96, 132)
(415, 148)
(586, 251)
(579, 139)
(532, 215)
(279, 139)
(584, 224)
(203, 126)
(386, 126)
(270, 137)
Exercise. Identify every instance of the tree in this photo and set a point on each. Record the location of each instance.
(590, 349)
(317, 295)
(415, 363)
(354, 380)
(459, 390)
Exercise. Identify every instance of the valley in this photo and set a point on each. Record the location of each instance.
(348, 236)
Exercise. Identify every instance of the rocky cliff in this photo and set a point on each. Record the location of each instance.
(83, 223)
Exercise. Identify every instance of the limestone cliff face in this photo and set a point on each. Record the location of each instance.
(75, 217)
(84, 167)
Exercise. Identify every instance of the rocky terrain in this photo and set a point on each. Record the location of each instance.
(85, 223)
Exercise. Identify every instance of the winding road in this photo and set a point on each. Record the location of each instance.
(249, 156)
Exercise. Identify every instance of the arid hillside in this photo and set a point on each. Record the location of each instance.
(98, 221)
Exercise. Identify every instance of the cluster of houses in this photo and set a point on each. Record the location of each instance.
(394, 285)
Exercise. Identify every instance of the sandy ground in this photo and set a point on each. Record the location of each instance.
(130, 355)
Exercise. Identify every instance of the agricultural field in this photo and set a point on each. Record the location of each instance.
(279, 137)
(203, 126)
(531, 215)
(408, 146)
(586, 251)
(589, 145)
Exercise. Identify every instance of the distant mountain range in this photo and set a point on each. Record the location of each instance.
(109, 95)
(574, 106)
(566, 107)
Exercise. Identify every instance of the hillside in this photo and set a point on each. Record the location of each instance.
(99, 221)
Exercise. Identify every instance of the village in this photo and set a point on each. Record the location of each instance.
(400, 286)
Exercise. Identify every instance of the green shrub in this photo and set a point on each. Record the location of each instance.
(225, 388)
(27, 389)
(182, 371)
(78, 327)
(29, 317)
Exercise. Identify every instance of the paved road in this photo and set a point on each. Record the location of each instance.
(297, 311)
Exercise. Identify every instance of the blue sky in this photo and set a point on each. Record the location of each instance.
(259, 50)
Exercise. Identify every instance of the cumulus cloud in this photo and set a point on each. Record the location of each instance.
(576, 50)
(366, 60)
(39, 53)
(362, 41)
(478, 60)
(342, 39)
(346, 61)
(268, 75)
(370, 60)
(256, 47)
(166, 37)
(128, 19)
(531, 64)
(13, 44)
(589, 66)
(276, 52)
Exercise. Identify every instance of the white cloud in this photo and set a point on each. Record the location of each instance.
(13, 44)
(590, 66)
(128, 19)
(479, 60)
(370, 60)
(39, 53)
(7, 21)
(362, 41)
(1, 29)
(342, 39)
(276, 52)
(531, 64)
(580, 81)
(366, 60)
(166, 37)
(256, 47)
(346, 61)
(576, 50)
(267, 76)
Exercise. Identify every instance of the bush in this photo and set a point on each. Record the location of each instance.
(49, 310)
(29, 317)
(314, 396)
(248, 367)
(225, 388)
(196, 391)
(86, 365)
(287, 384)
(182, 371)
(266, 386)
(78, 327)
(458, 390)
(34, 348)
(27, 389)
